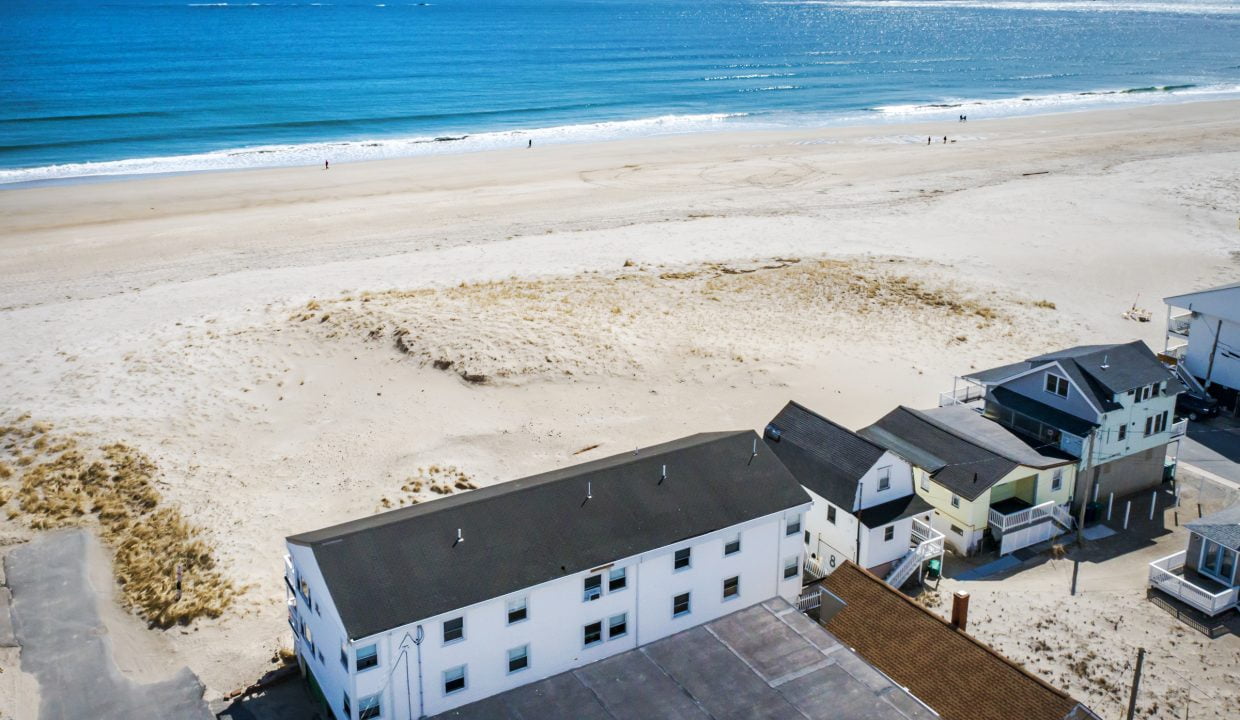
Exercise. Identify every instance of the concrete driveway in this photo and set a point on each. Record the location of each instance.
(1213, 447)
(66, 647)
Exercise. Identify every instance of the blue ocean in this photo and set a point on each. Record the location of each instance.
(93, 88)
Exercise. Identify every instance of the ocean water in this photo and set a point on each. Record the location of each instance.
(121, 87)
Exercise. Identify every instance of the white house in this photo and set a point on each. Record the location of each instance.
(1110, 406)
(865, 508)
(416, 611)
(1205, 335)
(1205, 575)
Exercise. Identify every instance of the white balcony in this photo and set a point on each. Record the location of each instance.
(962, 395)
(1006, 515)
(1179, 430)
(1169, 575)
(1179, 325)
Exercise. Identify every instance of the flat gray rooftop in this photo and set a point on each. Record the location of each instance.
(767, 661)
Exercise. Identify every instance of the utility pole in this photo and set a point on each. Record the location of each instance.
(1136, 682)
(1218, 330)
(1089, 455)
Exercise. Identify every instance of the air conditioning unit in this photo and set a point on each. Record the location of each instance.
(1050, 433)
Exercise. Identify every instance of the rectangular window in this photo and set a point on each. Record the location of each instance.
(368, 707)
(348, 712)
(889, 533)
(453, 680)
(791, 567)
(732, 546)
(955, 500)
(1123, 432)
(344, 657)
(1056, 385)
(681, 560)
(453, 630)
(884, 478)
(617, 626)
(794, 525)
(1149, 425)
(925, 482)
(680, 605)
(593, 588)
(806, 538)
(367, 657)
(617, 579)
(518, 658)
(731, 588)
(1160, 423)
(518, 610)
(831, 514)
(958, 530)
(592, 634)
(1057, 479)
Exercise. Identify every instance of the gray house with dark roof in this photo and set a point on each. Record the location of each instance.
(865, 509)
(1206, 575)
(1110, 406)
(426, 608)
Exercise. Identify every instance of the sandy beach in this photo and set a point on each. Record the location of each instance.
(296, 347)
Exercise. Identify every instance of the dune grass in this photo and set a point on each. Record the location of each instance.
(112, 487)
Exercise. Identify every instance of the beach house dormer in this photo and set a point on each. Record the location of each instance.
(417, 611)
(865, 508)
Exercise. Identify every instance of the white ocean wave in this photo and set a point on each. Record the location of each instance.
(361, 150)
(1097, 6)
(1032, 104)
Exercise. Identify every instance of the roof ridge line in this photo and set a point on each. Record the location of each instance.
(829, 421)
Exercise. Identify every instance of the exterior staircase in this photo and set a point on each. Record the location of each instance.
(926, 543)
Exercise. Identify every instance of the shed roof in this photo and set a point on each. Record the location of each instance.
(1223, 527)
(403, 566)
(918, 650)
(824, 456)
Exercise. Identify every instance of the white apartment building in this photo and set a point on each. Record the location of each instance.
(1204, 336)
(417, 611)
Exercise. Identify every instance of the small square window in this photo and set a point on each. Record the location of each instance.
(733, 546)
(925, 482)
(791, 567)
(731, 588)
(369, 708)
(889, 533)
(831, 514)
(681, 560)
(367, 657)
(1123, 432)
(1056, 385)
(617, 579)
(593, 588)
(884, 479)
(593, 634)
(794, 525)
(453, 630)
(453, 680)
(518, 658)
(958, 530)
(1057, 479)
(517, 610)
(955, 500)
(617, 626)
(680, 605)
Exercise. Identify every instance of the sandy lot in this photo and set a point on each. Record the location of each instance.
(291, 347)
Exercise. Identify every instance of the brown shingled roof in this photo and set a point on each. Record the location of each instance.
(956, 675)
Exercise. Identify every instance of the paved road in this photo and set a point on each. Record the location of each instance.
(1213, 446)
(65, 645)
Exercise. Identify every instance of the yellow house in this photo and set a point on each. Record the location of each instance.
(988, 485)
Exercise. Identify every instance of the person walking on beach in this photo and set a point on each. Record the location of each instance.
(944, 139)
(927, 140)
(531, 145)
(327, 164)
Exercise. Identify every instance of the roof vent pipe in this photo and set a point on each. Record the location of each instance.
(1104, 362)
(589, 491)
(459, 538)
(663, 476)
(960, 610)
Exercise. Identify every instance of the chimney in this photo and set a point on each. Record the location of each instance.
(960, 610)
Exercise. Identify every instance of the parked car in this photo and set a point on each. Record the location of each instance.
(1195, 407)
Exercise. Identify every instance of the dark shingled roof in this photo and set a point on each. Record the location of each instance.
(962, 451)
(1223, 527)
(918, 650)
(402, 566)
(898, 509)
(1128, 366)
(827, 458)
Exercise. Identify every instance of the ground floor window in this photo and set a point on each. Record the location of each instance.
(1217, 560)
(732, 588)
(453, 681)
(680, 605)
(958, 530)
(592, 634)
(791, 566)
(369, 707)
(518, 658)
(889, 533)
(618, 626)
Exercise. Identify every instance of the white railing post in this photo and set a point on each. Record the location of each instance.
(1110, 502)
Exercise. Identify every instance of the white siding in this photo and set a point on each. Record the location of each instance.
(901, 481)
(558, 615)
(326, 630)
(1201, 333)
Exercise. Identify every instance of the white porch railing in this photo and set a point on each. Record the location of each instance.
(1179, 429)
(1164, 577)
(1062, 515)
(1029, 515)
(810, 601)
(962, 395)
(927, 543)
(813, 570)
(1180, 324)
